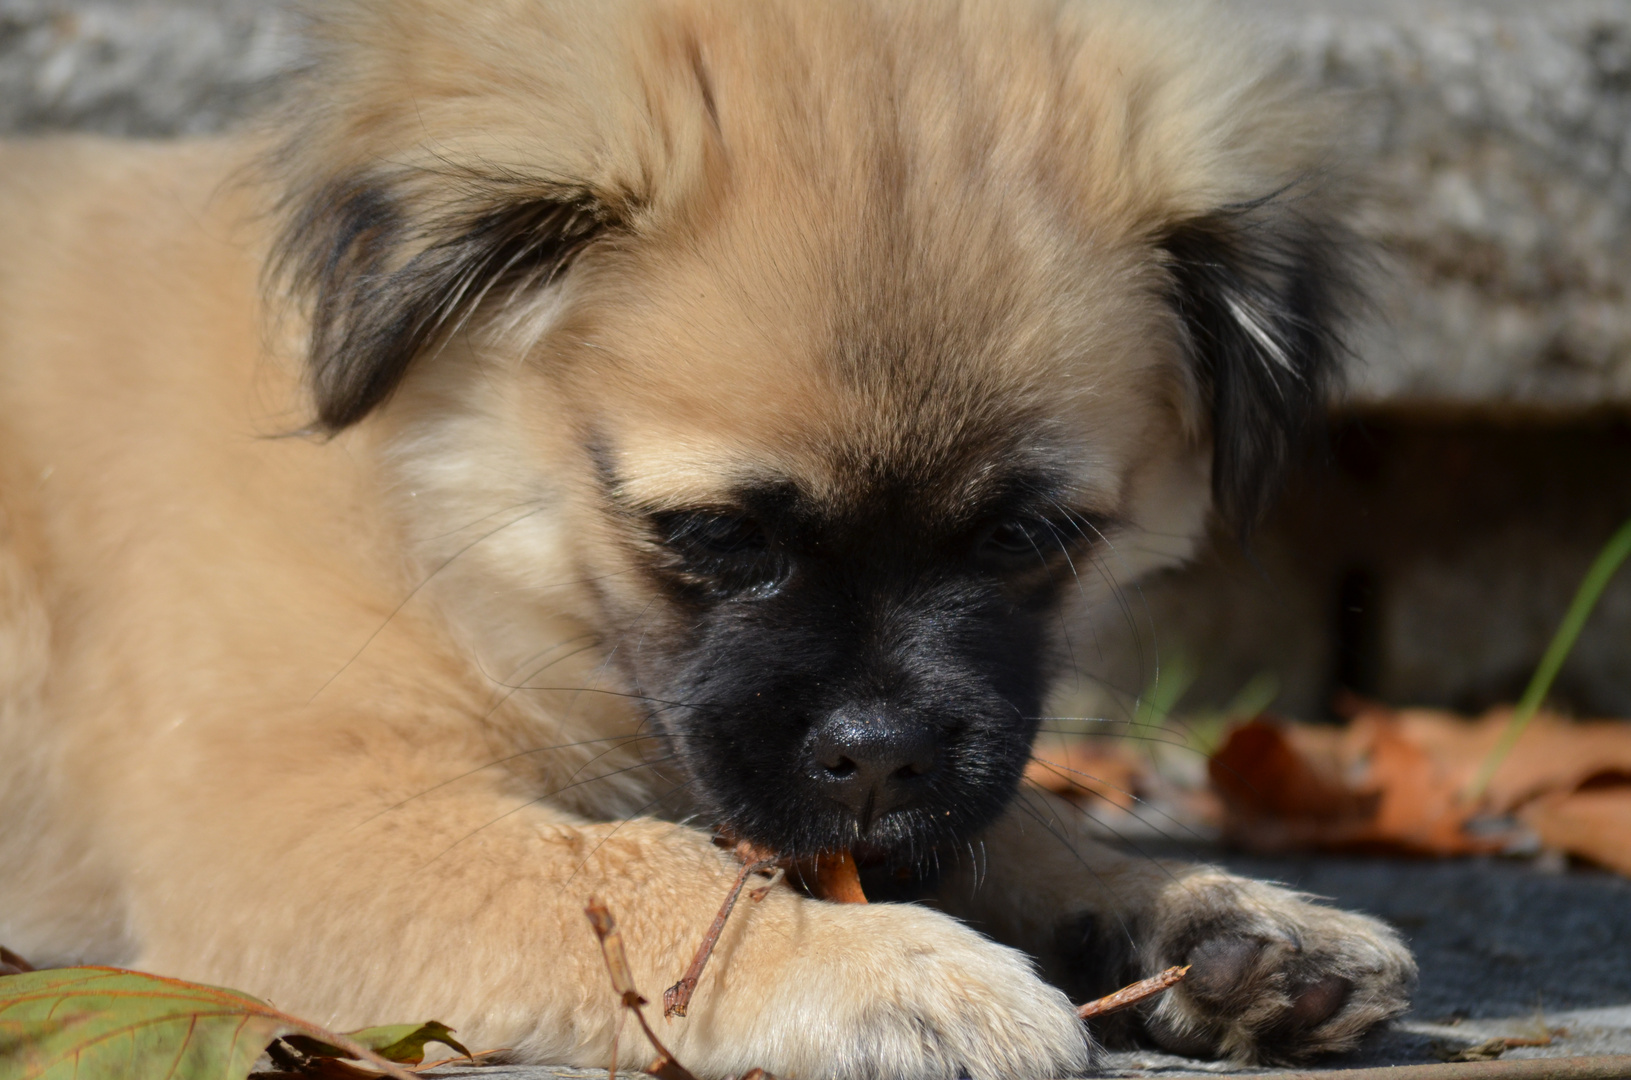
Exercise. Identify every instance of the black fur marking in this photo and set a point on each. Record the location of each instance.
(786, 613)
(385, 288)
(1262, 289)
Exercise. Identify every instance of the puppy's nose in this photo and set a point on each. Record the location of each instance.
(870, 761)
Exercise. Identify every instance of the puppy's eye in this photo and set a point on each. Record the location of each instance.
(714, 534)
(722, 555)
(1017, 541)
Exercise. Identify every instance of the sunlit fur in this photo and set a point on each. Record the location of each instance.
(332, 625)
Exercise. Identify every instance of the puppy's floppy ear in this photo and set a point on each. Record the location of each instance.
(387, 278)
(1262, 290)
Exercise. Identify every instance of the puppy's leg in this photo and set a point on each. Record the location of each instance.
(470, 910)
(1275, 976)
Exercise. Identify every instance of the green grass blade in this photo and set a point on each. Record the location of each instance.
(1585, 600)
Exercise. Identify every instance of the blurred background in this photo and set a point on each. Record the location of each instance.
(1484, 454)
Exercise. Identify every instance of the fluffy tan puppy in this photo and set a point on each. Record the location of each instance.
(598, 423)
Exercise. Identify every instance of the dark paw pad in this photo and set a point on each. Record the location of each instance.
(1317, 1002)
(1220, 967)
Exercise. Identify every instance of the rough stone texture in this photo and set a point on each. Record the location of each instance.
(139, 67)
(1499, 136)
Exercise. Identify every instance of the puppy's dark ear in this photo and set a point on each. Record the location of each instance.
(1262, 290)
(386, 281)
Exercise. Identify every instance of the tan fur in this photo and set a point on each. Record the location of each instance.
(259, 716)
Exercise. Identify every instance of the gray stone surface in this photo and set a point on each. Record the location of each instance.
(1498, 134)
(139, 67)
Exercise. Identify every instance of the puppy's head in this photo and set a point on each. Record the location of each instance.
(847, 355)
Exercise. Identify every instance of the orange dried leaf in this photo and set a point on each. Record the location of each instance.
(1088, 768)
(1396, 781)
(1593, 823)
(838, 879)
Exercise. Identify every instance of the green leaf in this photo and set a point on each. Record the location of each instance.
(96, 1022)
(90, 1023)
(401, 1043)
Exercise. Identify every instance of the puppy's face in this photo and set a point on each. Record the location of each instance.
(856, 355)
(838, 505)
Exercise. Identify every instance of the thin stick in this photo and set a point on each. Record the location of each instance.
(617, 965)
(677, 998)
(1129, 996)
(12, 964)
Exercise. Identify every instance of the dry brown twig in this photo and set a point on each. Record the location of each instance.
(833, 877)
(677, 998)
(617, 964)
(12, 964)
(1129, 996)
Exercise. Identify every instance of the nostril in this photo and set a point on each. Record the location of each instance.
(913, 769)
(840, 769)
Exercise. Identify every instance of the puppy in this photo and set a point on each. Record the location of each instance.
(716, 415)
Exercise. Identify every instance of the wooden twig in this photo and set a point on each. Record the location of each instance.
(1128, 996)
(617, 965)
(12, 964)
(429, 1065)
(677, 998)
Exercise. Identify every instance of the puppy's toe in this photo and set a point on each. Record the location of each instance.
(1274, 977)
(900, 991)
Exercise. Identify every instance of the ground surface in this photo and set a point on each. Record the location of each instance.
(1506, 949)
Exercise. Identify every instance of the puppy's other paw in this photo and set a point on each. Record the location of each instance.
(894, 990)
(1275, 977)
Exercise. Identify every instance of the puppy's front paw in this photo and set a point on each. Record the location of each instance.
(1275, 977)
(899, 991)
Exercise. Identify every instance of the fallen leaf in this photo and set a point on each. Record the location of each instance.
(1271, 768)
(401, 1043)
(1554, 753)
(1089, 768)
(1593, 823)
(96, 1021)
(1395, 780)
(838, 879)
